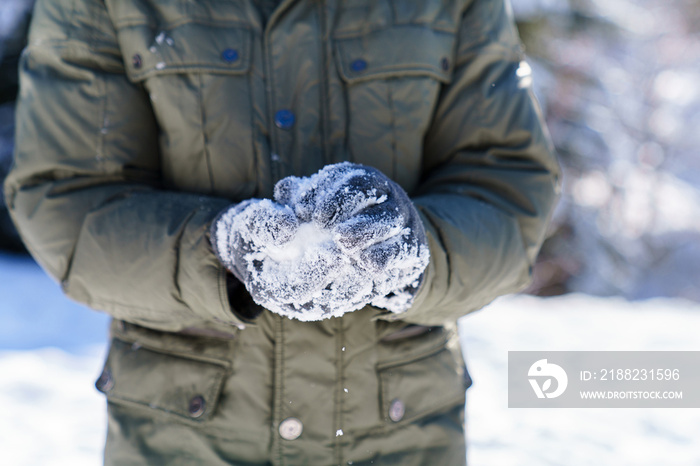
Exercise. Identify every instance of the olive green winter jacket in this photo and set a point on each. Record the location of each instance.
(140, 120)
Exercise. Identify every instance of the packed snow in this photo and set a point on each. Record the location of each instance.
(327, 244)
(53, 415)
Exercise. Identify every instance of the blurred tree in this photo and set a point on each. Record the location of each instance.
(617, 80)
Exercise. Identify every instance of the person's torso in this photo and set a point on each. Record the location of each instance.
(240, 107)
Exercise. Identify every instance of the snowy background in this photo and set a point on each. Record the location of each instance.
(618, 82)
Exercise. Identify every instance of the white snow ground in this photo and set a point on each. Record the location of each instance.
(50, 413)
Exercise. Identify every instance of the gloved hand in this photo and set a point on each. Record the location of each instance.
(373, 222)
(328, 245)
(238, 231)
(260, 242)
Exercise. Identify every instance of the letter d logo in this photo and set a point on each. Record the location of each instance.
(542, 369)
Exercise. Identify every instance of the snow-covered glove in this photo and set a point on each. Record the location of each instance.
(236, 231)
(327, 245)
(372, 221)
(286, 267)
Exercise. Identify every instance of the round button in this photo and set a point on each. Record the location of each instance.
(358, 65)
(290, 428)
(445, 63)
(105, 383)
(230, 55)
(397, 410)
(284, 119)
(197, 406)
(137, 61)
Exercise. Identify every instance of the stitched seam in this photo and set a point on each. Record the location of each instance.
(397, 71)
(194, 67)
(345, 89)
(135, 21)
(205, 139)
(72, 24)
(279, 386)
(99, 303)
(178, 248)
(273, 171)
(355, 33)
(478, 50)
(223, 296)
(392, 112)
(338, 422)
(325, 44)
(254, 128)
(101, 133)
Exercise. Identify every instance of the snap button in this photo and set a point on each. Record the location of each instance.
(397, 410)
(105, 383)
(445, 64)
(284, 119)
(197, 406)
(136, 61)
(358, 65)
(290, 428)
(230, 55)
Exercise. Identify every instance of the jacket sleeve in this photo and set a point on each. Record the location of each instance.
(490, 177)
(85, 189)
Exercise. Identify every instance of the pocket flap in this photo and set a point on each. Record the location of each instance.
(187, 387)
(424, 386)
(189, 47)
(396, 51)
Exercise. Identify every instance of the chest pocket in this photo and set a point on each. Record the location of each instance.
(392, 78)
(196, 70)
